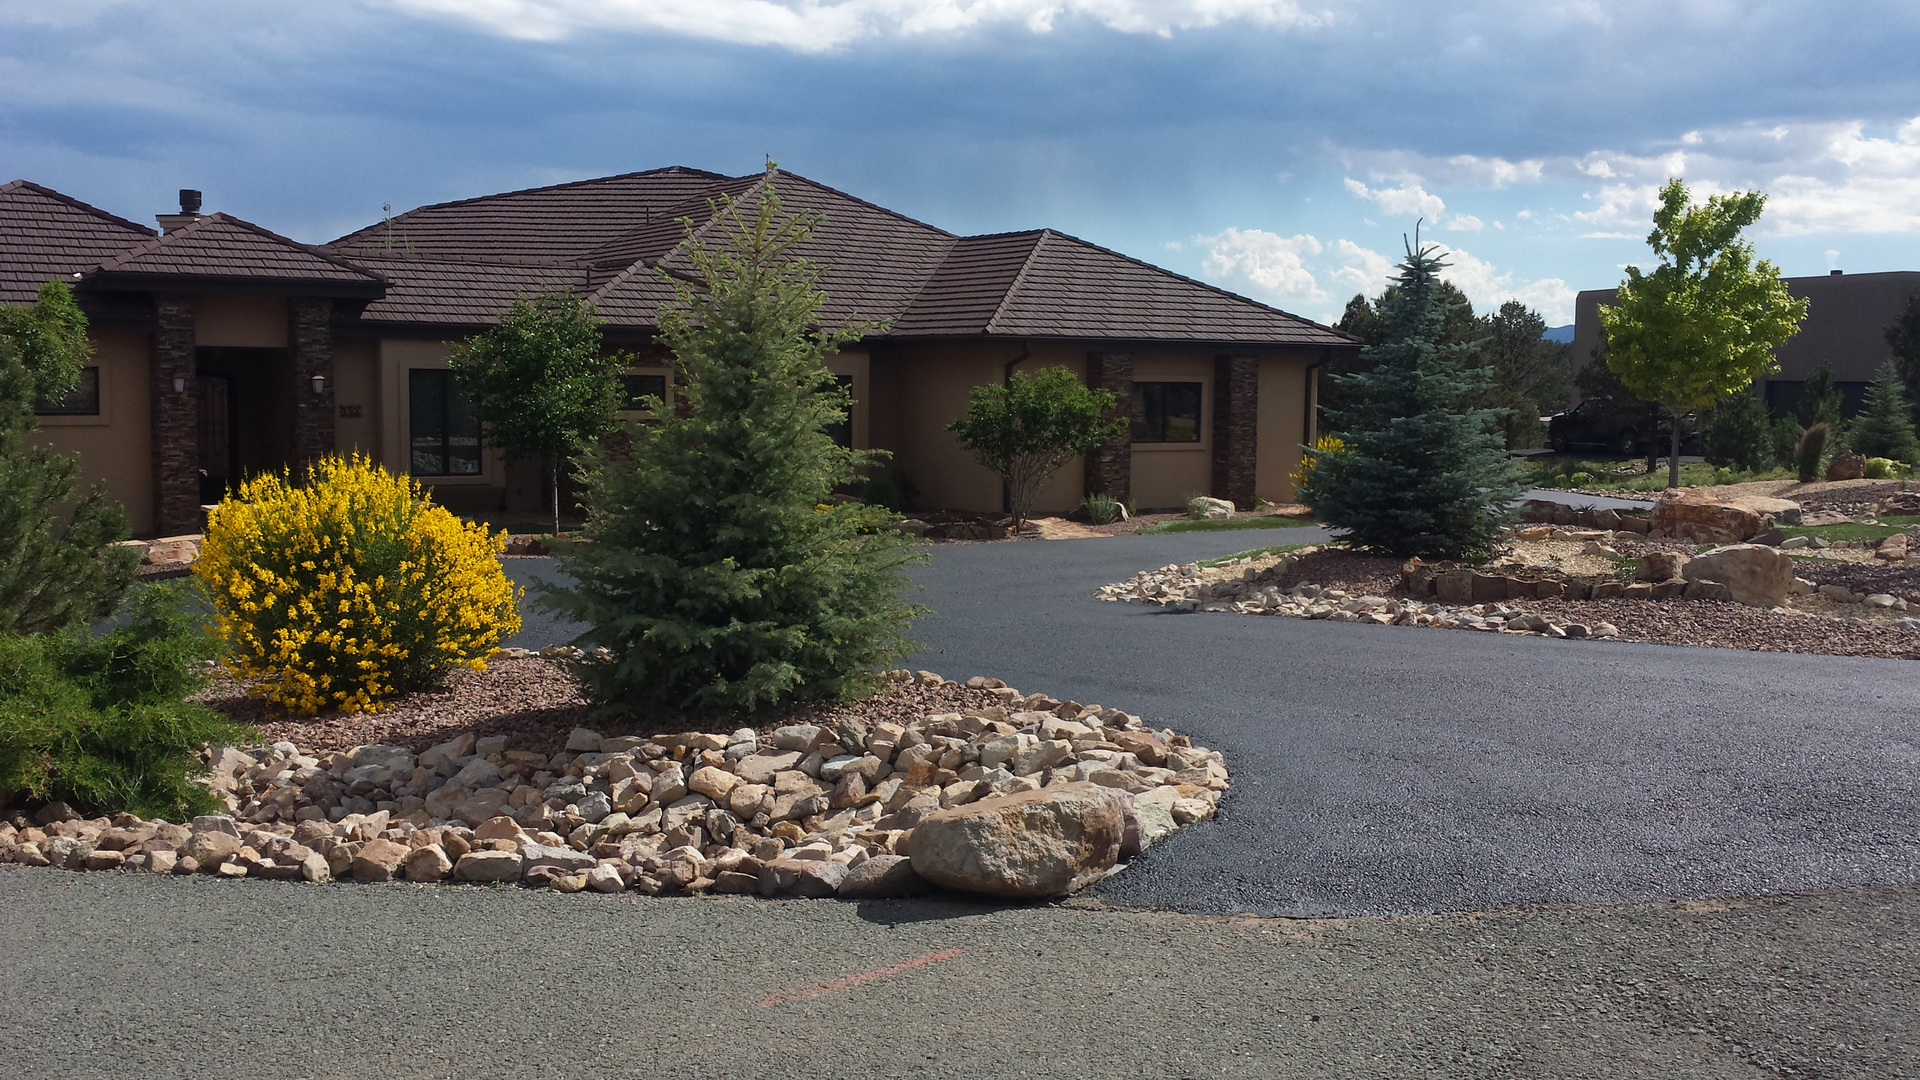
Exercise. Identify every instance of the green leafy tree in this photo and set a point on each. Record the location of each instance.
(542, 382)
(1421, 472)
(1903, 335)
(1885, 427)
(1026, 430)
(58, 561)
(720, 572)
(1739, 435)
(1705, 322)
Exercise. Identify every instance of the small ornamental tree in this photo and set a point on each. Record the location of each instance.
(1705, 322)
(1885, 427)
(1026, 430)
(720, 572)
(58, 562)
(541, 382)
(1421, 469)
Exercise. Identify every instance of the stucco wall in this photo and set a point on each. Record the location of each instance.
(244, 321)
(1283, 414)
(467, 493)
(356, 375)
(115, 447)
(1165, 475)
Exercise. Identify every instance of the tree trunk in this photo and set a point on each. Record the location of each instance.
(553, 477)
(1673, 462)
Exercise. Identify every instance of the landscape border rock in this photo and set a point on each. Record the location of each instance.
(800, 810)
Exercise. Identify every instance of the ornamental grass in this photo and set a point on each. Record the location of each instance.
(350, 589)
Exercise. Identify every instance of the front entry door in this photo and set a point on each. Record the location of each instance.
(218, 452)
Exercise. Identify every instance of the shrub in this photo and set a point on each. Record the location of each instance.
(1101, 509)
(1785, 439)
(1879, 468)
(1885, 427)
(350, 589)
(720, 575)
(1303, 472)
(1026, 430)
(1738, 435)
(101, 722)
(1806, 456)
(892, 489)
(1580, 479)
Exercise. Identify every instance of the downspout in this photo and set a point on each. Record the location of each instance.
(1006, 379)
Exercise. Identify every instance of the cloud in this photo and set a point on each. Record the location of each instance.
(1361, 269)
(1488, 288)
(1274, 265)
(1409, 198)
(1464, 223)
(815, 25)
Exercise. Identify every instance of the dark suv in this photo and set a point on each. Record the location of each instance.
(1598, 424)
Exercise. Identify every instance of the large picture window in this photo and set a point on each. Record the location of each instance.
(84, 401)
(443, 431)
(1166, 412)
(636, 387)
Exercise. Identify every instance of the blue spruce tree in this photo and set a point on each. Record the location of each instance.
(1421, 470)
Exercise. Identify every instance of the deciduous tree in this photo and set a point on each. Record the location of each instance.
(1026, 430)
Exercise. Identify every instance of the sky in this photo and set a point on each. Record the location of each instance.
(1283, 149)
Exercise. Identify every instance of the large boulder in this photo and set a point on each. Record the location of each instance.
(1847, 467)
(1753, 574)
(1049, 842)
(1211, 509)
(1695, 514)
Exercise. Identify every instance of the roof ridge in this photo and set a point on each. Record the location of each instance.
(1018, 276)
(1191, 281)
(78, 204)
(531, 190)
(199, 224)
(863, 202)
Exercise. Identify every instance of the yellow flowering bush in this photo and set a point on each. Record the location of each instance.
(1327, 444)
(347, 590)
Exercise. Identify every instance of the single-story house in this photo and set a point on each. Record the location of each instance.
(224, 349)
(1847, 319)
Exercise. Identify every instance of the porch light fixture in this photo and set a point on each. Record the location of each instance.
(319, 384)
(179, 385)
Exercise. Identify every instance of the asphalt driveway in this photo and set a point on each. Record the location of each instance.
(1384, 770)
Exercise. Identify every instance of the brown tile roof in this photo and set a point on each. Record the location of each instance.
(44, 235)
(218, 246)
(559, 223)
(460, 292)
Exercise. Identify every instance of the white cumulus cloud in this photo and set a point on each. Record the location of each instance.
(1409, 198)
(814, 25)
(1488, 288)
(1273, 265)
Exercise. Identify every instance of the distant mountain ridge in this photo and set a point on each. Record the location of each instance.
(1562, 334)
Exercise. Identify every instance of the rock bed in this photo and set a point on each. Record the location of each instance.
(1340, 586)
(1027, 796)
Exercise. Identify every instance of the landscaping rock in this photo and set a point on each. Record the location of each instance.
(1695, 514)
(1753, 574)
(1208, 508)
(1847, 467)
(883, 877)
(1893, 548)
(488, 866)
(802, 877)
(379, 860)
(1049, 842)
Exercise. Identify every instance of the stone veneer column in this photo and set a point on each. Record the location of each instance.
(1109, 470)
(175, 419)
(1236, 418)
(310, 337)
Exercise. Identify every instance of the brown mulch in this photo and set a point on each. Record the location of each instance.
(1675, 622)
(537, 704)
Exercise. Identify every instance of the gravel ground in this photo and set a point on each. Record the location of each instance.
(537, 703)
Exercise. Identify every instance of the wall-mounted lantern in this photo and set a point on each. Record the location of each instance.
(319, 384)
(179, 385)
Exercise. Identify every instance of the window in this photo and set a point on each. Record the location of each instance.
(841, 432)
(84, 401)
(443, 429)
(635, 387)
(1166, 412)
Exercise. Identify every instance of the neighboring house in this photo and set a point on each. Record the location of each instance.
(1847, 319)
(224, 349)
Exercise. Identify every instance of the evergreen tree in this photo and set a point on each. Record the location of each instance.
(1885, 427)
(1903, 335)
(1739, 435)
(1367, 320)
(1420, 473)
(1820, 400)
(720, 573)
(58, 563)
(1531, 375)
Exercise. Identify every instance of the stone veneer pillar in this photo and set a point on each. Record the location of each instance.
(310, 337)
(1109, 470)
(175, 419)
(1236, 418)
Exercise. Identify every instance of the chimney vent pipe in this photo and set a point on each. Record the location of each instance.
(189, 201)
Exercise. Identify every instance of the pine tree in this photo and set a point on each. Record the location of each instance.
(1885, 427)
(1419, 473)
(58, 563)
(720, 572)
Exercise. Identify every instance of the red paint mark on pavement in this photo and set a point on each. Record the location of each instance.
(855, 980)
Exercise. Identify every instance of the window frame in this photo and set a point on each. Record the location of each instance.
(445, 376)
(665, 375)
(1135, 423)
(90, 371)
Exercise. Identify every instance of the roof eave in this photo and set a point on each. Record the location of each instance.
(138, 281)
